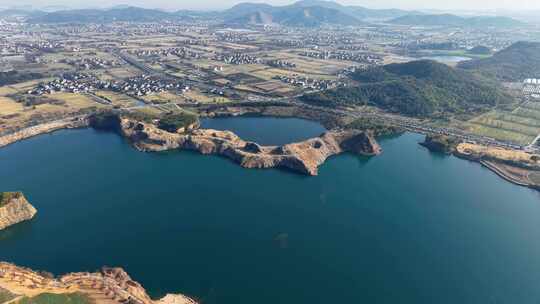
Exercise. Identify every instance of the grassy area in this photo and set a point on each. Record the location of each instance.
(162, 97)
(49, 298)
(516, 156)
(6, 296)
(174, 122)
(77, 101)
(499, 134)
(25, 86)
(7, 90)
(198, 96)
(8, 106)
(5, 197)
(521, 125)
(23, 110)
(117, 99)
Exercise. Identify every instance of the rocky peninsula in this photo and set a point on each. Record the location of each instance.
(14, 208)
(304, 157)
(109, 285)
(151, 134)
(516, 166)
(68, 123)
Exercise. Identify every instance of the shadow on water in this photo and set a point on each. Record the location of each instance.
(18, 230)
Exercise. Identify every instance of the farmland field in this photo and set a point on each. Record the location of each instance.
(521, 125)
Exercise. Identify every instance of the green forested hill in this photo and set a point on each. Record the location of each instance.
(519, 61)
(418, 88)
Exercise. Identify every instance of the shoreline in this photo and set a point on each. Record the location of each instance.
(237, 156)
(513, 166)
(503, 174)
(302, 157)
(45, 128)
(109, 285)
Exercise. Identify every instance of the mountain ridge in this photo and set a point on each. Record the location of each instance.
(418, 88)
(515, 63)
(455, 20)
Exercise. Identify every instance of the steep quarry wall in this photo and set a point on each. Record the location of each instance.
(14, 208)
(304, 157)
(110, 285)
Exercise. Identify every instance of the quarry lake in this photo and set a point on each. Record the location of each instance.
(408, 226)
(266, 130)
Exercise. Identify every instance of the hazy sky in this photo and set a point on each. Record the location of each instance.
(221, 4)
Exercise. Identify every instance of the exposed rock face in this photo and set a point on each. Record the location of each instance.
(69, 123)
(14, 210)
(440, 143)
(304, 157)
(110, 285)
(175, 299)
(516, 166)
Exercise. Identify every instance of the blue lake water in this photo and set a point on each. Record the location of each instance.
(407, 226)
(267, 130)
(447, 59)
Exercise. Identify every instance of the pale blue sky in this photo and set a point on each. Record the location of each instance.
(221, 4)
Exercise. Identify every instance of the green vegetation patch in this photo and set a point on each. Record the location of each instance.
(49, 298)
(172, 122)
(500, 134)
(12, 77)
(144, 116)
(419, 88)
(519, 61)
(376, 125)
(441, 143)
(520, 125)
(6, 197)
(6, 296)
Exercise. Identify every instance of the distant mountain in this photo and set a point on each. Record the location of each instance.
(302, 13)
(519, 61)
(21, 12)
(54, 8)
(355, 11)
(417, 88)
(305, 13)
(124, 14)
(294, 16)
(367, 13)
(453, 20)
(244, 9)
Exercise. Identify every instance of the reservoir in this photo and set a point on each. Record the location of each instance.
(447, 59)
(408, 226)
(270, 131)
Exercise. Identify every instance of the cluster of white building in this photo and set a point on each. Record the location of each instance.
(531, 88)
(532, 81)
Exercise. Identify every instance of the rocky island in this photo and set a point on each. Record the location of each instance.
(304, 157)
(14, 208)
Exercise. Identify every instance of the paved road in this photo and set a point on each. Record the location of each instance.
(405, 123)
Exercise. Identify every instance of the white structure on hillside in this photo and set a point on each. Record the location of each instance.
(531, 88)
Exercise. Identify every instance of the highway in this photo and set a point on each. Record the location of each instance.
(408, 124)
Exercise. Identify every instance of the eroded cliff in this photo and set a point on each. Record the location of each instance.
(303, 157)
(110, 285)
(14, 208)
